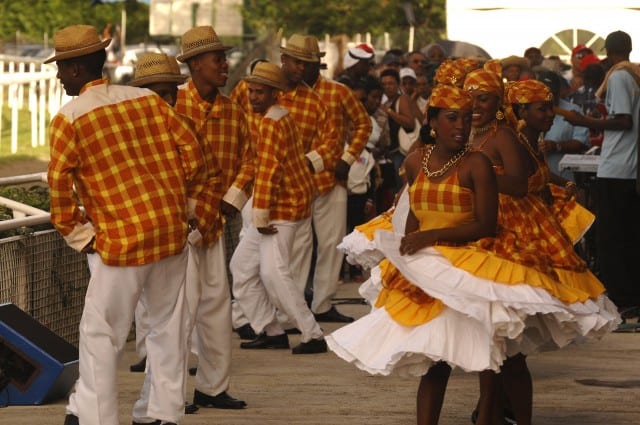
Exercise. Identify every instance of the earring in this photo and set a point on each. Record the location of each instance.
(433, 133)
(499, 115)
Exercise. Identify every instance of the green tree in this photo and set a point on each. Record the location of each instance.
(32, 19)
(341, 17)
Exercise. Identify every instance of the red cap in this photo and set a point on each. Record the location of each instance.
(588, 60)
(579, 48)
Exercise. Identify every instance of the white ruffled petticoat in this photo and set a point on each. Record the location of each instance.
(359, 250)
(481, 324)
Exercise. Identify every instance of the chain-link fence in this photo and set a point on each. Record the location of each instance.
(44, 277)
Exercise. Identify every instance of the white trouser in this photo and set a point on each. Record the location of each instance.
(111, 299)
(209, 303)
(330, 225)
(142, 328)
(263, 281)
(238, 318)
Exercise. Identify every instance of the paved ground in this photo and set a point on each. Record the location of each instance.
(321, 389)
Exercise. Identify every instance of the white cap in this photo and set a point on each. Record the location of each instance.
(408, 72)
(356, 54)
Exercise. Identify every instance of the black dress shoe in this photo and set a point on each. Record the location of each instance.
(190, 408)
(332, 315)
(220, 401)
(313, 346)
(71, 420)
(246, 332)
(139, 367)
(263, 341)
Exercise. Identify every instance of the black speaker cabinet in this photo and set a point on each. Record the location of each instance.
(39, 365)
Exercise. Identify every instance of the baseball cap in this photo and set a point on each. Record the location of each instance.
(618, 42)
(588, 60)
(408, 72)
(579, 48)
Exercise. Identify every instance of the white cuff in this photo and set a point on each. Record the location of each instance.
(316, 161)
(235, 197)
(191, 208)
(260, 217)
(80, 236)
(348, 158)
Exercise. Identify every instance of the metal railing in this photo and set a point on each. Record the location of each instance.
(39, 273)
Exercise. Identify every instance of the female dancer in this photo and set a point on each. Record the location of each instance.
(454, 301)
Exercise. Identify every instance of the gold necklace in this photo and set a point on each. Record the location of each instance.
(450, 163)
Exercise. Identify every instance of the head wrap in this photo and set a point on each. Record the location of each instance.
(468, 64)
(450, 97)
(528, 91)
(485, 81)
(449, 72)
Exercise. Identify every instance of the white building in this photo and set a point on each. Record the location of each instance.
(175, 17)
(508, 27)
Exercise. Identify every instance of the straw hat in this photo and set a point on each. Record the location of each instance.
(200, 40)
(156, 68)
(76, 40)
(303, 47)
(269, 74)
(513, 60)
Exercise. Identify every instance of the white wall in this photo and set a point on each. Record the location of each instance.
(504, 27)
(173, 17)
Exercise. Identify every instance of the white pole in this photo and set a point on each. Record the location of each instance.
(412, 31)
(123, 32)
(33, 107)
(387, 44)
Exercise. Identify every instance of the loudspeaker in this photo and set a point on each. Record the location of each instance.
(39, 365)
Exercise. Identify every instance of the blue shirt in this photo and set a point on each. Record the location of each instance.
(619, 155)
(562, 131)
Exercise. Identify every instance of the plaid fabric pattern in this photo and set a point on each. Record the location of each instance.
(223, 133)
(450, 97)
(444, 196)
(240, 95)
(484, 81)
(129, 156)
(528, 91)
(283, 184)
(532, 234)
(316, 130)
(350, 117)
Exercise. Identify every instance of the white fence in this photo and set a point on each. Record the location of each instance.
(27, 83)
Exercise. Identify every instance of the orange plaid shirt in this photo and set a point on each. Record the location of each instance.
(130, 157)
(224, 137)
(283, 186)
(240, 95)
(351, 118)
(317, 131)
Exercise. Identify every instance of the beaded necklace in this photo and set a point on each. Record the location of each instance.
(450, 163)
(478, 131)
